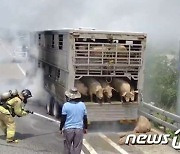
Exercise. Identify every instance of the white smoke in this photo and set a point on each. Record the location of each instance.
(34, 77)
(35, 85)
(22, 73)
(159, 19)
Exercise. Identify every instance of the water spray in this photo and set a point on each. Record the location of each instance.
(42, 116)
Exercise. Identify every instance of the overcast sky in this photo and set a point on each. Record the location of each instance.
(160, 19)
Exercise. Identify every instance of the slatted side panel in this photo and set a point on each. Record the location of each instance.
(107, 59)
(100, 53)
(104, 71)
(112, 112)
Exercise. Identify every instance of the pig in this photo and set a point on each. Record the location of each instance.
(98, 51)
(94, 88)
(124, 89)
(107, 89)
(81, 87)
(143, 125)
(121, 48)
(134, 95)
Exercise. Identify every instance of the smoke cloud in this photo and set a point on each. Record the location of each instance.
(159, 19)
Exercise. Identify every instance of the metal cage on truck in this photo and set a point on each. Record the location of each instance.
(69, 55)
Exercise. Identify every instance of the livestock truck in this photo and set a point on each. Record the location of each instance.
(69, 55)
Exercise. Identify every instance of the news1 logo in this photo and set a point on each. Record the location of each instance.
(163, 139)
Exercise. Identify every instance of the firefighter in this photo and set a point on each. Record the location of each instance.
(11, 108)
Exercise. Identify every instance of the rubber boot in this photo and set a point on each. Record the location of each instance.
(12, 141)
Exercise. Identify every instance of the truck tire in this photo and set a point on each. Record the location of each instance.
(49, 106)
(56, 110)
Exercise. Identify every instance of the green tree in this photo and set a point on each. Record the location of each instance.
(161, 80)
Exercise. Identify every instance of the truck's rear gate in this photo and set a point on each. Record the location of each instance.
(115, 111)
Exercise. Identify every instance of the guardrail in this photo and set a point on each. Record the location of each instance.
(150, 111)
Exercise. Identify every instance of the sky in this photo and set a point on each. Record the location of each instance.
(158, 18)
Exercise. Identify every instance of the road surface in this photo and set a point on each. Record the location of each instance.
(41, 136)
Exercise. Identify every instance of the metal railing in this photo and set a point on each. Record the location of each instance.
(108, 59)
(150, 111)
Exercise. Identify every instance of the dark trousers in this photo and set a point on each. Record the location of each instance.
(73, 140)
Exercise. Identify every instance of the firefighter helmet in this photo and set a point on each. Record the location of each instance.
(26, 93)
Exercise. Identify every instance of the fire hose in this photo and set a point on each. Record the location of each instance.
(42, 116)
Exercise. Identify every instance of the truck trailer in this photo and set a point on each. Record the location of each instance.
(69, 55)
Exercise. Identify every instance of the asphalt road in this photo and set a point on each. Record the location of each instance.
(41, 136)
(36, 136)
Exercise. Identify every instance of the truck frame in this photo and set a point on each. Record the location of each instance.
(67, 55)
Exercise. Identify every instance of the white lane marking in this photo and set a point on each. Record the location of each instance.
(42, 116)
(23, 72)
(82, 152)
(116, 146)
(89, 147)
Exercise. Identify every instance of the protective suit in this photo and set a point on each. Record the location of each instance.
(11, 108)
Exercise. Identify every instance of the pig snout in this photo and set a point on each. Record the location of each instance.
(109, 94)
(132, 98)
(100, 94)
(127, 99)
(133, 95)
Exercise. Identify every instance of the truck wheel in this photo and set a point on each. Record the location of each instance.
(56, 111)
(49, 106)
